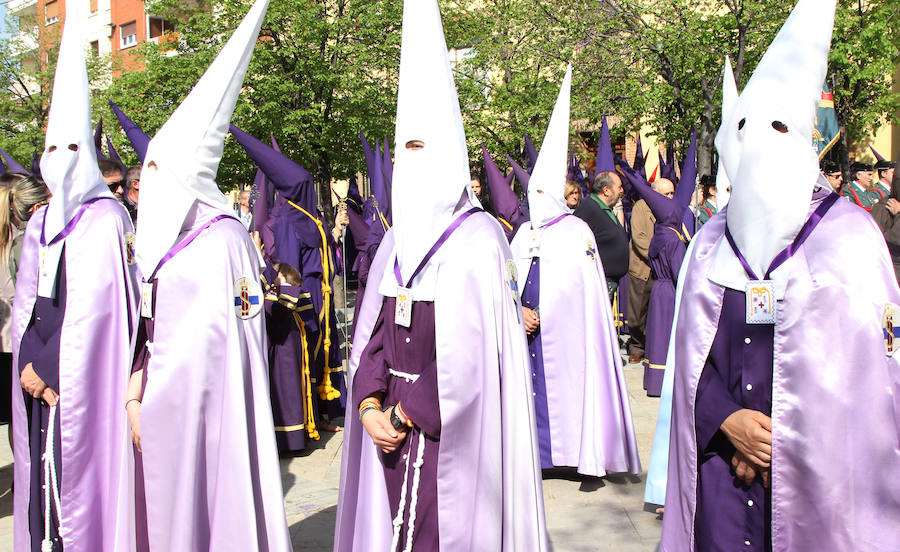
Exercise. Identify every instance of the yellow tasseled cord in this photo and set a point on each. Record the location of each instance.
(310, 422)
(326, 390)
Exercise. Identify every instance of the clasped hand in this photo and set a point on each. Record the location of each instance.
(532, 322)
(35, 386)
(750, 431)
(378, 426)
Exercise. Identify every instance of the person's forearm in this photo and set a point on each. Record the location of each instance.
(135, 386)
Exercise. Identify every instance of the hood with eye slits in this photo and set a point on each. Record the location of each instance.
(69, 163)
(765, 143)
(547, 187)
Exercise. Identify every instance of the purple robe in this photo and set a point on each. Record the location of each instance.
(488, 482)
(210, 465)
(665, 254)
(834, 392)
(289, 387)
(581, 400)
(92, 327)
(409, 351)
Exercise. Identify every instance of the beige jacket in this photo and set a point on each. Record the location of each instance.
(642, 223)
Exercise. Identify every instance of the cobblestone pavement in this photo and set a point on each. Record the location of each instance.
(582, 514)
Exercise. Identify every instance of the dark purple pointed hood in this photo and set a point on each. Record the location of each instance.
(877, 155)
(531, 154)
(263, 197)
(98, 139)
(387, 167)
(35, 164)
(290, 179)
(114, 156)
(138, 138)
(12, 165)
(505, 202)
(667, 211)
(688, 182)
(605, 162)
(375, 170)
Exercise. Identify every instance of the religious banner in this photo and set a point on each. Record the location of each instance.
(827, 130)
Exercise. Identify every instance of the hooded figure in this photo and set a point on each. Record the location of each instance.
(504, 199)
(375, 216)
(522, 177)
(688, 179)
(665, 254)
(531, 154)
(73, 326)
(210, 477)
(302, 239)
(581, 401)
(820, 425)
(458, 463)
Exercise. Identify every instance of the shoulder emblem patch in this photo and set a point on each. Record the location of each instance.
(888, 320)
(247, 297)
(590, 250)
(129, 248)
(512, 278)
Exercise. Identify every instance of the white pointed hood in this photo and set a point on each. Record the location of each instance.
(183, 158)
(766, 141)
(69, 161)
(729, 98)
(428, 183)
(547, 187)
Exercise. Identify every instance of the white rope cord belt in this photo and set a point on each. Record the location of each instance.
(398, 520)
(50, 485)
(408, 377)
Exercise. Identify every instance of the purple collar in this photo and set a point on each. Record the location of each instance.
(184, 243)
(814, 219)
(554, 221)
(434, 248)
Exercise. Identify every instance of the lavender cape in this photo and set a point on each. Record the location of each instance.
(835, 393)
(587, 400)
(96, 346)
(211, 472)
(489, 484)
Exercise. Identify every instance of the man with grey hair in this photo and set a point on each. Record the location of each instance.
(599, 212)
(132, 190)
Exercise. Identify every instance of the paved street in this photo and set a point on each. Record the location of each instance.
(582, 515)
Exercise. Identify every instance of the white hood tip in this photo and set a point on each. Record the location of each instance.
(183, 158)
(547, 187)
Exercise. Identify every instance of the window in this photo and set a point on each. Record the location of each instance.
(93, 6)
(95, 48)
(51, 12)
(128, 33)
(157, 26)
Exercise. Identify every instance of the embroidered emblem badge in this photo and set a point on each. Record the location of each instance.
(887, 327)
(591, 251)
(513, 278)
(247, 298)
(129, 248)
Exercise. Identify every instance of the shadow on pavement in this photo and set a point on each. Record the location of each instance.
(314, 533)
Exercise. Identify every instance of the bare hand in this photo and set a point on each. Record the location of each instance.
(743, 468)
(31, 382)
(50, 396)
(750, 431)
(378, 426)
(532, 322)
(893, 206)
(133, 408)
(342, 219)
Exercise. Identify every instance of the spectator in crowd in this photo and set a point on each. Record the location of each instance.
(707, 207)
(573, 194)
(603, 213)
(833, 174)
(243, 211)
(20, 196)
(882, 188)
(858, 189)
(132, 190)
(112, 175)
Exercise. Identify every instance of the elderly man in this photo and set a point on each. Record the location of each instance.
(598, 211)
(132, 191)
(858, 189)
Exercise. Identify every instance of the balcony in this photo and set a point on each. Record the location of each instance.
(15, 6)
